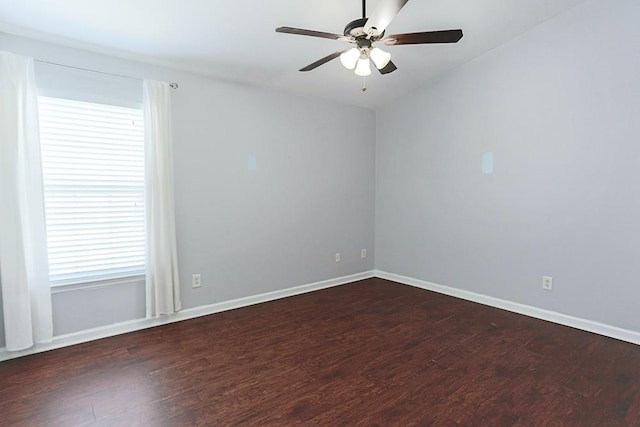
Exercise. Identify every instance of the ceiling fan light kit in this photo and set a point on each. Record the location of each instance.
(363, 69)
(379, 57)
(364, 32)
(350, 58)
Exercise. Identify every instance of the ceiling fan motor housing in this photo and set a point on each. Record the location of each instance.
(356, 29)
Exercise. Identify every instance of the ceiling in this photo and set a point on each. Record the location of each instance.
(235, 40)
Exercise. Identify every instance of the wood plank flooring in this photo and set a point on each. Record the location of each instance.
(371, 353)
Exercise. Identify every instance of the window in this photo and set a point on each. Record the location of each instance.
(93, 169)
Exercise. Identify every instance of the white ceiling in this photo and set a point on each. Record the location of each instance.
(235, 39)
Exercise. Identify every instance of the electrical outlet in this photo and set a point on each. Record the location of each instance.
(338, 257)
(363, 254)
(196, 281)
(547, 283)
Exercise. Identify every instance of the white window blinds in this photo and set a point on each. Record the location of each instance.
(93, 168)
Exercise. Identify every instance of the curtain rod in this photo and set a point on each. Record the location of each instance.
(172, 85)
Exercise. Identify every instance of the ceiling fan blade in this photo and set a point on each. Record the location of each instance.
(446, 36)
(383, 15)
(312, 33)
(389, 68)
(324, 60)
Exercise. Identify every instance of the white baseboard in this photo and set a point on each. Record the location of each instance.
(189, 313)
(551, 316)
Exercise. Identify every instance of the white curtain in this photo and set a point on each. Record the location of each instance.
(162, 284)
(24, 271)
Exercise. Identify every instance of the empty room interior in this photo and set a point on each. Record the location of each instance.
(437, 222)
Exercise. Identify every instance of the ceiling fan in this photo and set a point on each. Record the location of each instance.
(365, 32)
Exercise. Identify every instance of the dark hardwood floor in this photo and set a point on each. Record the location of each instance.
(368, 353)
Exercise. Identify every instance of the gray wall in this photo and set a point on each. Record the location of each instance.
(311, 195)
(559, 107)
(2, 342)
(246, 232)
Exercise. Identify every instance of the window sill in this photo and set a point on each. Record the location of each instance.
(59, 289)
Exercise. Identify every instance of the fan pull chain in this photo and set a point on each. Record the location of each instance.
(364, 84)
